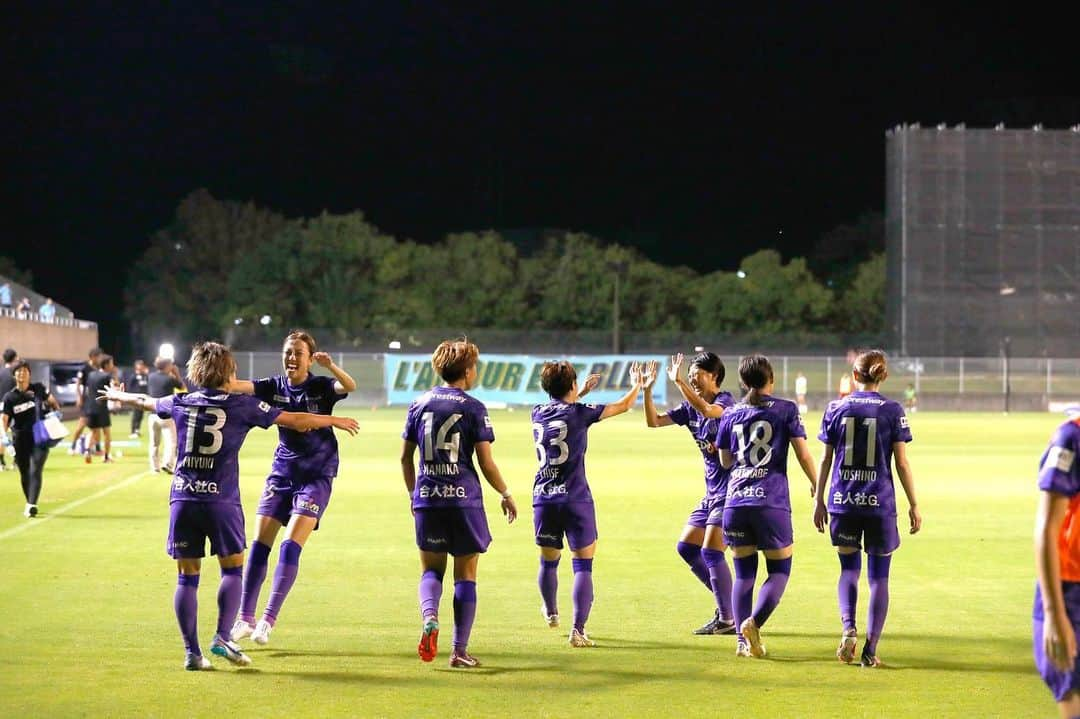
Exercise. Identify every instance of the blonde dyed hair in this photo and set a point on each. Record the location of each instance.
(452, 358)
(211, 365)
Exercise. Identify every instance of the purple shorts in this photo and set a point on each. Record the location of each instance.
(762, 527)
(1060, 683)
(282, 498)
(879, 533)
(458, 531)
(709, 513)
(192, 523)
(577, 520)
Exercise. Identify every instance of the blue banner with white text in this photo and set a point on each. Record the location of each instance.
(515, 379)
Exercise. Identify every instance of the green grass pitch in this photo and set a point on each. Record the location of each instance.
(88, 627)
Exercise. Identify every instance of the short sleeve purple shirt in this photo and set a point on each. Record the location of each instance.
(703, 430)
(561, 436)
(303, 454)
(758, 436)
(445, 423)
(210, 428)
(862, 428)
(1058, 469)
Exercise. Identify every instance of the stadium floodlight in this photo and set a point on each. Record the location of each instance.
(741, 275)
(1007, 290)
(238, 321)
(699, 348)
(264, 320)
(167, 351)
(395, 344)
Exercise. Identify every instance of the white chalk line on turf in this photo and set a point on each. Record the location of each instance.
(64, 509)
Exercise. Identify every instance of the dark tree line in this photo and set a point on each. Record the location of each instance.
(220, 262)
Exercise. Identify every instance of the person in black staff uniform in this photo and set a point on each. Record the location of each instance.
(163, 381)
(81, 394)
(139, 383)
(19, 409)
(98, 420)
(7, 383)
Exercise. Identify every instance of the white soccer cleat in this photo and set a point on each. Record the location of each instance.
(261, 633)
(579, 640)
(849, 640)
(30, 511)
(551, 619)
(749, 630)
(240, 630)
(229, 650)
(742, 648)
(197, 663)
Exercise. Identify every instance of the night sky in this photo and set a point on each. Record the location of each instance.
(696, 131)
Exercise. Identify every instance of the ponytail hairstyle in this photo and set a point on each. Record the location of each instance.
(709, 362)
(870, 367)
(557, 378)
(755, 373)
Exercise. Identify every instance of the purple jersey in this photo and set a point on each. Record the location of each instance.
(445, 424)
(703, 430)
(862, 428)
(303, 454)
(758, 435)
(561, 436)
(210, 427)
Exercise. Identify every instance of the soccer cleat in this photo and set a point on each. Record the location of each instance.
(241, 630)
(870, 661)
(229, 650)
(849, 640)
(30, 511)
(551, 619)
(196, 663)
(86, 458)
(725, 626)
(463, 660)
(429, 640)
(261, 633)
(749, 629)
(716, 625)
(742, 648)
(580, 639)
(168, 468)
(108, 460)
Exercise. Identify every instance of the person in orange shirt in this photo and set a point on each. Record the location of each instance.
(1056, 615)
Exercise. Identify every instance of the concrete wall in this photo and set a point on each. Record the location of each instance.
(62, 341)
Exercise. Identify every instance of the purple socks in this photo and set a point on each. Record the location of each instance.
(549, 584)
(772, 589)
(464, 613)
(228, 599)
(742, 592)
(691, 554)
(847, 589)
(583, 592)
(186, 606)
(284, 575)
(254, 576)
(719, 580)
(877, 570)
(430, 593)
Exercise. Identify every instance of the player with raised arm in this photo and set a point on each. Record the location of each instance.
(301, 477)
(865, 433)
(205, 498)
(1056, 614)
(448, 426)
(701, 544)
(562, 501)
(753, 439)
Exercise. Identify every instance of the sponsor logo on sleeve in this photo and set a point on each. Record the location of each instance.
(903, 421)
(264, 407)
(1060, 458)
(487, 421)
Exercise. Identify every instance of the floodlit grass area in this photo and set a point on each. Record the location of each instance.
(86, 594)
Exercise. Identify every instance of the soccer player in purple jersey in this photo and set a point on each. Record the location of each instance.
(753, 440)
(702, 542)
(1056, 614)
(205, 499)
(301, 477)
(865, 432)
(448, 426)
(562, 500)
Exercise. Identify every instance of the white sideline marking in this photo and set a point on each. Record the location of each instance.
(72, 505)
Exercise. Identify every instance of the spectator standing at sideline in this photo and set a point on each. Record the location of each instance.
(47, 312)
(80, 397)
(25, 309)
(800, 392)
(7, 383)
(164, 381)
(139, 383)
(98, 419)
(5, 296)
